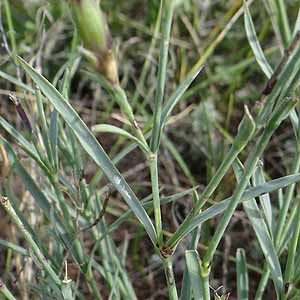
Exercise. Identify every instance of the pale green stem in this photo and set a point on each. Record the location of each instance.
(205, 270)
(156, 197)
(292, 249)
(5, 291)
(281, 229)
(245, 133)
(11, 31)
(36, 250)
(252, 161)
(168, 267)
(286, 205)
(167, 14)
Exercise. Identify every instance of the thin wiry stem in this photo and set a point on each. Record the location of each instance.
(35, 248)
(250, 167)
(169, 273)
(167, 14)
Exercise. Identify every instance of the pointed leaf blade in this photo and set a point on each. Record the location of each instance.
(91, 146)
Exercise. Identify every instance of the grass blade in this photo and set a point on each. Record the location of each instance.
(168, 8)
(176, 96)
(265, 241)
(242, 275)
(53, 136)
(250, 193)
(119, 131)
(5, 291)
(297, 24)
(265, 201)
(254, 43)
(283, 22)
(193, 265)
(16, 82)
(262, 233)
(91, 146)
(13, 247)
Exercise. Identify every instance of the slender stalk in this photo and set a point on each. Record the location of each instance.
(286, 205)
(5, 291)
(281, 230)
(35, 248)
(147, 63)
(262, 283)
(168, 267)
(156, 197)
(205, 281)
(11, 31)
(185, 287)
(253, 160)
(275, 121)
(283, 22)
(43, 124)
(76, 245)
(292, 250)
(167, 10)
(245, 133)
(92, 284)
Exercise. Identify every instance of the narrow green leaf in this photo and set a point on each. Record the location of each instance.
(4, 291)
(262, 233)
(177, 94)
(13, 247)
(19, 138)
(297, 24)
(112, 129)
(283, 21)
(178, 157)
(167, 14)
(16, 82)
(116, 130)
(53, 132)
(91, 146)
(254, 43)
(193, 265)
(218, 208)
(147, 204)
(242, 275)
(266, 244)
(264, 200)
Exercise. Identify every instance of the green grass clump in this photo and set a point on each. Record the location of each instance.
(62, 182)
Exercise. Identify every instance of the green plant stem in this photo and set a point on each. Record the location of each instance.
(168, 267)
(253, 160)
(43, 124)
(274, 122)
(205, 281)
(156, 198)
(286, 205)
(185, 287)
(167, 14)
(292, 249)
(11, 31)
(262, 283)
(92, 284)
(40, 256)
(245, 133)
(281, 230)
(5, 291)
(147, 63)
(283, 22)
(216, 179)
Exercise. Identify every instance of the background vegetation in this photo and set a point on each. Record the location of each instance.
(66, 231)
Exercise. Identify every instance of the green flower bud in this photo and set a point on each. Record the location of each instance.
(91, 24)
(93, 30)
